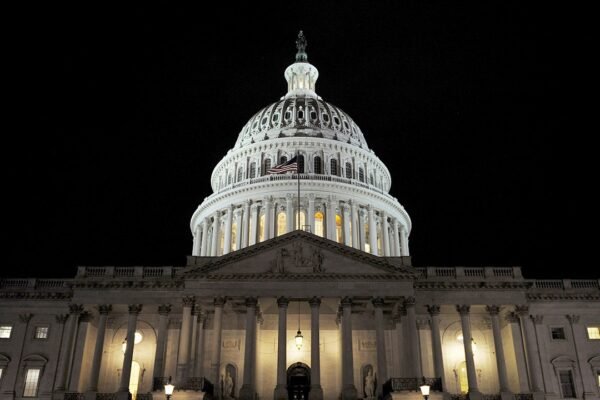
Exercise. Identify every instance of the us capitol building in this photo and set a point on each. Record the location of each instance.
(299, 297)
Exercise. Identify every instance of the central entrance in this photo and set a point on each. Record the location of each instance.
(298, 381)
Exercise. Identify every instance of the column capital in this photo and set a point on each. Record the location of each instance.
(377, 302)
(251, 302)
(573, 319)
(370, 208)
(135, 308)
(345, 207)
(511, 318)
(410, 301)
(202, 317)
(537, 319)
(254, 207)
(283, 302)
(104, 309)
(219, 301)
(492, 309)
(75, 309)
(397, 318)
(248, 203)
(196, 309)
(346, 302)
(237, 211)
(25, 318)
(188, 301)
(522, 310)
(315, 301)
(433, 309)
(86, 316)
(61, 318)
(463, 309)
(267, 200)
(229, 208)
(402, 228)
(289, 197)
(164, 309)
(311, 197)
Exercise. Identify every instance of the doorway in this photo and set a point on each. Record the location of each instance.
(298, 381)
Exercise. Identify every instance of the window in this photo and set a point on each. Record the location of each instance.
(338, 228)
(32, 378)
(41, 332)
(319, 223)
(240, 174)
(318, 166)
(566, 384)
(333, 166)
(592, 331)
(282, 159)
(253, 170)
(348, 170)
(267, 166)
(371, 180)
(234, 236)
(261, 228)
(281, 223)
(361, 174)
(301, 164)
(5, 331)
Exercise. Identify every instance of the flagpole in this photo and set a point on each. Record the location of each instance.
(298, 206)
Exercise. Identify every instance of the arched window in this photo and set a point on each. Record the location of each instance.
(319, 223)
(234, 236)
(253, 170)
(348, 170)
(333, 166)
(462, 377)
(318, 165)
(361, 174)
(301, 164)
(302, 220)
(229, 179)
(221, 240)
(281, 223)
(134, 378)
(367, 238)
(267, 166)
(261, 228)
(282, 159)
(240, 174)
(371, 180)
(338, 229)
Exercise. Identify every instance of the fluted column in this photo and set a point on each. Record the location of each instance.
(355, 223)
(331, 228)
(103, 310)
(346, 224)
(245, 223)
(436, 344)
(518, 348)
(199, 363)
(499, 348)
(197, 241)
(585, 372)
(218, 325)
(465, 324)
(253, 230)
(396, 239)
(414, 357)
(281, 388)
(372, 230)
(310, 218)
(348, 388)
(228, 224)
(66, 353)
(404, 241)
(215, 235)
(268, 212)
(316, 391)
(247, 390)
(380, 339)
(193, 332)
(385, 233)
(533, 359)
(361, 229)
(204, 244)
(134, 310)
(237, 214)
(184, 339)
(161, 340)
(400, 358)
(289, 213)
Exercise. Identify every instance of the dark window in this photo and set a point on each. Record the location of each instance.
(558, 333)
(361, 174)
(282, 159)
(252, 170)
(301, 164)
(267, 166)
(333, 166)
(318, 165)
(371, 179)
(348, 170)
(566, 384)
(240, 174)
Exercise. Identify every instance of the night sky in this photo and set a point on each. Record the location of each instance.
(118, 116)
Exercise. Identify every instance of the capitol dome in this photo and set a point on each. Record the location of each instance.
(339, 190)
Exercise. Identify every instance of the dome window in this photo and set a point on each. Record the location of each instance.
(267, 166)
(288, 115)
(348, 170)
(333, 166)
(275, 117)
(252, 170)
(336, 120)
(264, 121)
(318, 165)
(300, 164)
(345, 125)
(300, 114)
(240, 174)
(325, 117)
(282, 159)
(361, 174)
(313, 115)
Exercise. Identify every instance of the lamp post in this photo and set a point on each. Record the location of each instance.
(425, 391)
(169, 389)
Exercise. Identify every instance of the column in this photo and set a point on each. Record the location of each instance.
(239, 232)
(412, 351)
(197, 241)
(499, 349)
(346, 224)
(245, 223)
(199, 364)
(268, 212)
(465, 324)
(372, 230)
(218, 324)
(281, 388)
(204, 244)
(161, 341)
(355, 224)
(66, 351)
(247, 390)
(436, 344)
(103, 310)
(531, 349)
(396, 239)
(316, 391)
(134, 310)
(518, 348)
(215, 235)
(361, 229)
(331, 229)
(585, 373)
(385, 233)
(310, 218)
(228, 223)
(399, 358)
(253, 225)
(348, 388)
(289, 213)
(183, 354)
(382, 375)
(540, 337)
(193, 332)
(404, 241)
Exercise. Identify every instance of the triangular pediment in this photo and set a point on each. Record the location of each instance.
(299, 253)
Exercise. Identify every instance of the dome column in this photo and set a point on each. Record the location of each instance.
(281, 389)
(238, 233)
(361, 229)
(465, 323)
(196, 241)
(245, 223)
(386, 234)
(346, 223)
(134, 310)
(355, 224)
(289, 212)
(215, 234)
(253, 226)
(396, 239)
(268, 212)
(204, 244)
(310, 218)
(404, 241)
(372, 230)
(331, 231)
(228, 224)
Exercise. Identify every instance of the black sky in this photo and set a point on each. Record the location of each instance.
(118, 115)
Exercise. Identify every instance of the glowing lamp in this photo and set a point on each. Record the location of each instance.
(425, 391)
(169, 389)
(299, 338)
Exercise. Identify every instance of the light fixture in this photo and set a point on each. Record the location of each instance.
(299, 338)
(169, 389)
(425, 391)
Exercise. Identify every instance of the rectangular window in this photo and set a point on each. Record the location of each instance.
(566, 384)
(5, 331)
(41, 332)
(592, 331)
(558, 333)
(32, 378)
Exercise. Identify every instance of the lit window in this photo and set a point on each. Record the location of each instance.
(32, 378)
(41, 332)
(5, 331)
(234, 236)
(261, 228)
(593, 332)
(367, 242)
(281, 223)
(566, 384)
(338, 228)
(558, 333)
(302, 220)
(319, 223)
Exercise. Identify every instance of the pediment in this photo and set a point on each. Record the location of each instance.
(298, 253)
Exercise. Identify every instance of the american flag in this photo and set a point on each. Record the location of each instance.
(283, 168)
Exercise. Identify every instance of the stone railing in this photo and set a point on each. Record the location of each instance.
(410, 384)
(106, 396)
(35, 284)
(471, 273)
(73, 396)
(199, 383)
(143, 396)
(565, 284)
(126, 272)
(523, 396)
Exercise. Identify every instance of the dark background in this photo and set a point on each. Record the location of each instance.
(117, 116)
